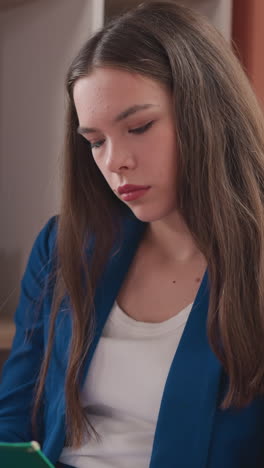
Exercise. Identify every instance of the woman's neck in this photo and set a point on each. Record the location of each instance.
(171, 239)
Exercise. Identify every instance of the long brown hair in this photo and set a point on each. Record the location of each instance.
(220, 134)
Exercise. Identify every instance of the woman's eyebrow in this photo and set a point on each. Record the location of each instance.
(123, 115)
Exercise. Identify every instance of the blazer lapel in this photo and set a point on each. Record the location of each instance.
(190, 395)
(112, 279)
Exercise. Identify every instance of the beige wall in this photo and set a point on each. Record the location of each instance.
(37, 41)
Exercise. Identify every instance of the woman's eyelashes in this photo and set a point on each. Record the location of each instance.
(136, 131)
(143, 129)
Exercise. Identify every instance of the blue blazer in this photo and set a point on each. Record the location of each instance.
(192, 431)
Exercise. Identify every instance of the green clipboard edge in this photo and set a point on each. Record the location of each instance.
(23, 455)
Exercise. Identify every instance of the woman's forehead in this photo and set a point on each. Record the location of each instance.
(112, 91)
(108, 80)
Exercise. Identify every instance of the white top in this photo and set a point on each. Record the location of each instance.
(123, 390)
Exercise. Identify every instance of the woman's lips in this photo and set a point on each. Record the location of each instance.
(134, 194)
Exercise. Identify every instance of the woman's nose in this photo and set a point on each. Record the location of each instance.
(119, 158)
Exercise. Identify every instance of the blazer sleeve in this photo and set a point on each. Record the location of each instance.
(22, 367)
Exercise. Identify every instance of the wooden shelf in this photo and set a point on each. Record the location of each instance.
(7, 331)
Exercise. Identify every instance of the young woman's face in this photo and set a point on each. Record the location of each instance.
(128, 120)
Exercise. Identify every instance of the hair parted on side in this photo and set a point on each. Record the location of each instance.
(220, 179)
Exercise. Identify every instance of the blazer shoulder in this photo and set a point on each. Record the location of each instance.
(47, 236)
(41, 260)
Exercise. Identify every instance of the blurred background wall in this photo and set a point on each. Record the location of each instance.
(38, 39)
(248, 36)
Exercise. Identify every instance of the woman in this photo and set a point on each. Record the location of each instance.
(140, 325)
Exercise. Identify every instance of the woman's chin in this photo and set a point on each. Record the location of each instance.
(146, 216)
(149, 215)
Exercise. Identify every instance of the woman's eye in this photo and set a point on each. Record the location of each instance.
(96, 144)
(143, 129)
(138, 131)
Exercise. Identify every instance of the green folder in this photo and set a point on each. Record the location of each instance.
(23, 455)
